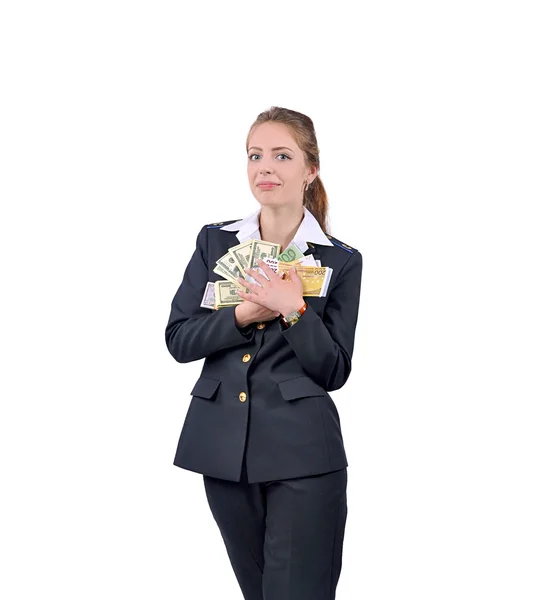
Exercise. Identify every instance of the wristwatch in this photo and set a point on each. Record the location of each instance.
(293, 317)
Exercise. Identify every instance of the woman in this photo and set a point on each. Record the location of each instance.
(261, 426)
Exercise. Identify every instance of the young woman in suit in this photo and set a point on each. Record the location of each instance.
(261, 426)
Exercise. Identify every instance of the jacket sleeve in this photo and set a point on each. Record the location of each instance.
(194, 332)
(324, 346)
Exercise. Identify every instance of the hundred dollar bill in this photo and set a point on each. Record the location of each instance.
(227, 267)
(242, 255)
(238, 259)
(226, 294)
(219, 270)
(209, 296)
(261, 250)
(245, 255)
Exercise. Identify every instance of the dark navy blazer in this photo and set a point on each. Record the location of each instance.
(286, 422)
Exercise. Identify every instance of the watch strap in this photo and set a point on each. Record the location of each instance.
(293, 317)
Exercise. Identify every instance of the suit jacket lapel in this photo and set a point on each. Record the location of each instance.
(314, 249)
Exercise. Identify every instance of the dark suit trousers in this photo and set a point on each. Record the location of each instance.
(283, 538)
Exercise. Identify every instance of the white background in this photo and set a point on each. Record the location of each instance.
(123, 127)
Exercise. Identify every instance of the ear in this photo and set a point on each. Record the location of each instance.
(312, 172)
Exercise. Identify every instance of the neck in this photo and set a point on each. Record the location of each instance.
(279, 224)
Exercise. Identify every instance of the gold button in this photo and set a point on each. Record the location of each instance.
(246, 357)
(261, 326)
(243, 396)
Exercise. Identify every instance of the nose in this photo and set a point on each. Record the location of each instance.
(264, 167)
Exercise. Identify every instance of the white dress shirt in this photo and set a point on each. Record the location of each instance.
(309, 230)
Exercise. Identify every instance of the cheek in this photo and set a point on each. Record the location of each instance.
(252, 167)
(291, 179)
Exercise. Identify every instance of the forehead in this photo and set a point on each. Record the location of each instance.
(269, 135)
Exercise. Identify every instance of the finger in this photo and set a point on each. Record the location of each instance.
(268, 270)
(257, 276)
(247, 284)
(248, 296)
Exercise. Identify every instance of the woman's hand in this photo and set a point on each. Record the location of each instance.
(274, 293)
(248, 312)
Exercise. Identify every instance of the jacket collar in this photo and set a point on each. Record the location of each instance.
(308, 231)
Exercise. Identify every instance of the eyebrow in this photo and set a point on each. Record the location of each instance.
(273, 149)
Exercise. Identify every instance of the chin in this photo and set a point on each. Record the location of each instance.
(267, 198)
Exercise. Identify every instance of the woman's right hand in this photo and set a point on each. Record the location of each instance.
(250, 312)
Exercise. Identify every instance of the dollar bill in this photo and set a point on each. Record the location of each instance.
(226, 294)
(242, 255)
(315, 284)
(261, 250)
(238, 259)
(219, 270)
(227, 267)
(209, 296)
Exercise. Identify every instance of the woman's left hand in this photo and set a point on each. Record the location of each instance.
(275, 293)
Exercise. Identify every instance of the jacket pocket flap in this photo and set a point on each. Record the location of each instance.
(205, 387)
(300, 387)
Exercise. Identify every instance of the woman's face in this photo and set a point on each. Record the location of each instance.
(275, 157)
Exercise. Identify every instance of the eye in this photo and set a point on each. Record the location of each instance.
(281, 154)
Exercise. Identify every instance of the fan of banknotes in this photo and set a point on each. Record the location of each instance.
(244, 256)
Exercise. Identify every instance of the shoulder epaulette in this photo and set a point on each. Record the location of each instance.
(341, 244)
(220, 224)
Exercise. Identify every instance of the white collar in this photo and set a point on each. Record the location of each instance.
(309, 230)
